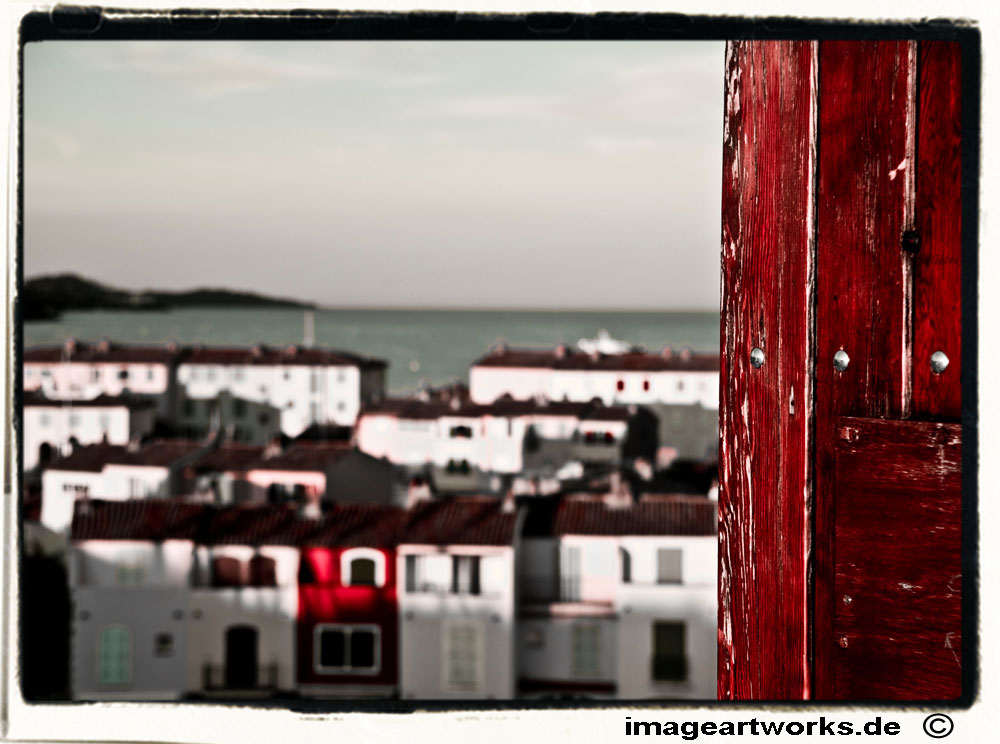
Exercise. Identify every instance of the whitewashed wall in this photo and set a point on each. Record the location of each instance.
(87, 424)
(60, 489)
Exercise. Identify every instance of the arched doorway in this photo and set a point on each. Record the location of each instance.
(241, 657)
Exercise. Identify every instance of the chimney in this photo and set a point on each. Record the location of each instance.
(291, 350)
(667, 352)
(619, 494)
(418, 490)
(272, 448)
(70, 346)
(562, 351)
(686, 353)
(509, 505)
(172, 345)
(104, 345)
(134, 443)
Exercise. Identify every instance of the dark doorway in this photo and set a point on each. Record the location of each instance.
(241, 657)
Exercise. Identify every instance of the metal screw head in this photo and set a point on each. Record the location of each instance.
(848, 599)
(841, 360)
(843, 641)
(757, 357)
(939, 362)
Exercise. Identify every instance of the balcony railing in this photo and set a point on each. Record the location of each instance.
(262, 678)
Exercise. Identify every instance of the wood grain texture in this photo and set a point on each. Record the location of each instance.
(865, 170)
(768, 177)
(937, 265)
(898, 560)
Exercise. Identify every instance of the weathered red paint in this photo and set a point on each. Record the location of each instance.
(937, 266)
(324, 599)
(898, 578)
(801, 286)
(768, 162)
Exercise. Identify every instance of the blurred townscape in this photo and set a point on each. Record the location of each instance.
(249, 522)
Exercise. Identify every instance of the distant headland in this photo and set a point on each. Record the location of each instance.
(47, 297)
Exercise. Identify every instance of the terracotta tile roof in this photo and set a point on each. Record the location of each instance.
(227, 457)
(305, 456)
(291, 355)
(91, 458)
(416, 409)
(634, 361)
(680, 515)
(460, 521)
(254, 524)
(103, 352)
(158, 453)
(156, 520)
(356, 526)
(132, 402)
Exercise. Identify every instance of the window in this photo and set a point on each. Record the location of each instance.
(668, 566)
(95, 375)
(210, 373)
(313, 412)
(609, 438)
(669, 659)
(136, 488)
(114, 655)
(263, 571)
(462, 649)
(461, 432)
(193, 374)
(44, 420)
(347, 649)
(130, 573)
(74, 419)
(428, 573)
(362, 567)
(313, 382)
(465, 574)
(263, 419)
(104, 421)
(123, 374)
(363, 572)
(340, 375)
(226, 571)
(534, 637)
(149, 374)
(586, 650)
(239, 408)
(626, 566)
(163, 645)
(645, 385)
(569, 573)
(680, 384)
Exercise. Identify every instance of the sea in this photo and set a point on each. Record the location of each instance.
(421, 346)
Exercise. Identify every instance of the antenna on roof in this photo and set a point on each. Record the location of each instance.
(308, 329)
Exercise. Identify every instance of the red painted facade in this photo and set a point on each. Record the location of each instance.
(325, 598)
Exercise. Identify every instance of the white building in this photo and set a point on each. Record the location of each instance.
(456, 600)
(53, 426)
(619, 601)
(129, 571)
(244, 602)
(134, 471)
(638, 378)
(81, 371)
(306, 385)
(457, 437)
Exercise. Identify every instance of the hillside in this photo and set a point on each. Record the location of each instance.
(46, 297)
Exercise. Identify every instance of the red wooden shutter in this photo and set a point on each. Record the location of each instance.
(841, 233)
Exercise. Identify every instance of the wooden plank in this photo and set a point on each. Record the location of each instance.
(768, 193)
(937, 264)
(898, 619)
(865, 171)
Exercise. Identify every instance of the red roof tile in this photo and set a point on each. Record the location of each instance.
(357, 525)
(228, 457)
(305, 456)
(255, 524)
(90, 459)
(416, 409)
(103, 352)
(154, 519)
(158, 453)
(291, 355)
(132, 402)
(634, 361)
(460, 521)
(680, 515)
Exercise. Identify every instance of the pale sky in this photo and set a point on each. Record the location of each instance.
(566, 174)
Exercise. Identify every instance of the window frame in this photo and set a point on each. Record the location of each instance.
(352, 554)
(131, 655)
(448, 684)
(577, 629)
(348, 629)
